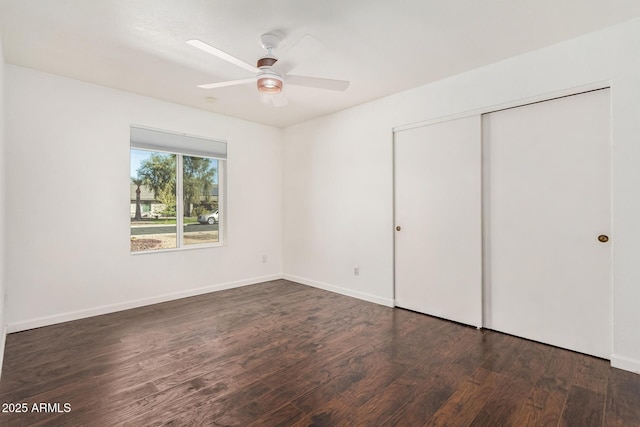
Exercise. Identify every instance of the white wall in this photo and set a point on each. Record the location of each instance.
(68, 207)
(338, 197)
(337, 207)
(2, 214)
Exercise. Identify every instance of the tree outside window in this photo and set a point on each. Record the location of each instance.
(183, 194)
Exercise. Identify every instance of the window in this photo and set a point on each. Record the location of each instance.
(176, 190)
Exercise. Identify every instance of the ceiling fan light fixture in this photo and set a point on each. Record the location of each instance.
(270, 83)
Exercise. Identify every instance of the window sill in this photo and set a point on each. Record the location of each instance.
(181, 249)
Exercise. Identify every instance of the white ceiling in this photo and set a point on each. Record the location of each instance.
(381, 46)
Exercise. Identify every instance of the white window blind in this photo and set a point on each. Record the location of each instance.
(157, 140)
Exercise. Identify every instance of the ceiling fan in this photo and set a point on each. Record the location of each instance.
(271, 78)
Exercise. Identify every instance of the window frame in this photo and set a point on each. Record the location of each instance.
(179, 171)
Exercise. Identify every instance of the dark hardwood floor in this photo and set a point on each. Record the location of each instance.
(284, 354)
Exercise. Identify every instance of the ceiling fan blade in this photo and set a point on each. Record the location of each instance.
(317, 82)
(264, 98)
(275, 99)
(227, 83)
(222, 55)
(279, 100)
(305, 48)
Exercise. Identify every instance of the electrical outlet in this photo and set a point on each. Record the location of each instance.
(356, 270)
(264, 259)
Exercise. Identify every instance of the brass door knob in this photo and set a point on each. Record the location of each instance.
(398, 228)
(603, 238)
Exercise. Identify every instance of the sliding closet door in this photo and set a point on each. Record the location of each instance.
(438, 246)
(547, 218)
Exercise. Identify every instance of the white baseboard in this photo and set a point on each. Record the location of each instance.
(625, 363)
(111, 308)
(340, 290)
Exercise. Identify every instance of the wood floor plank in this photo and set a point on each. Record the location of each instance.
(546, 401)
(583, 407)
(382, 406)
(592, 373)
(501, 361)
(504, 405)
(467, 401)
(506, 402)
(333, 413)
(622, 399)
(284, 354)
(334, 380)
(278, 397)
(428, 397)
(284, 416)
(202, 407)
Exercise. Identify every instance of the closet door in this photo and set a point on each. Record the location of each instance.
(547, 219)
(438, 246)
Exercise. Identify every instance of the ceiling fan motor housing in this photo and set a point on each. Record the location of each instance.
(269, 81)
(266, 61)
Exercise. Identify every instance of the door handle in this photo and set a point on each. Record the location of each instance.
(603, 238)
(398, 228)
